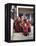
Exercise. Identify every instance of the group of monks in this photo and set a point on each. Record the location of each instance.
(23, 25)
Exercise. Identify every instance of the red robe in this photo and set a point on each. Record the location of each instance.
(25, 28)
(29, 26)
(17, 26)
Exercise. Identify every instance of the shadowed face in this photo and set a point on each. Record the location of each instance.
(19, 19)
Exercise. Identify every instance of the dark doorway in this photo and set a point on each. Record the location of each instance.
(20, 14)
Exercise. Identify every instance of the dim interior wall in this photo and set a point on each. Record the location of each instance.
(25, 11)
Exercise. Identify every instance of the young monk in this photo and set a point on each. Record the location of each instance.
(24, 26)
(17, 26)
(29, 25)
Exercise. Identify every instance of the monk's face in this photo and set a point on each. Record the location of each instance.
(19, 19)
